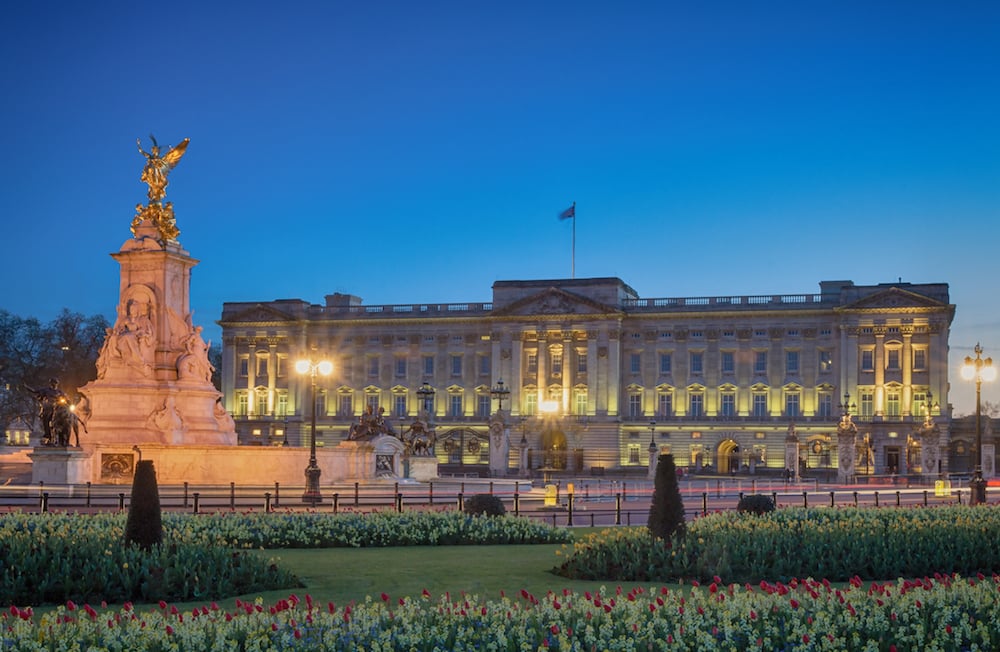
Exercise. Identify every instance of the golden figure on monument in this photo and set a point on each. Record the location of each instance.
(154, 174)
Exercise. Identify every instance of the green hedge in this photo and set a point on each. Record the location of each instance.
(832, 543)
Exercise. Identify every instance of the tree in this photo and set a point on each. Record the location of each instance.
(666, 514)
(31, 353)
(144, 527)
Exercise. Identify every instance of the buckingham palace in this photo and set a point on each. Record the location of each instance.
(589, 376)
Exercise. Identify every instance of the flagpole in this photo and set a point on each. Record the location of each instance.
(572, 268)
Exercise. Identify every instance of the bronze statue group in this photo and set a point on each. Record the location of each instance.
(56, 415)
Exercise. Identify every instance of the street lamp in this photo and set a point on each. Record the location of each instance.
(652, 449)
(978, 370)
(312, 494)
(500, 393)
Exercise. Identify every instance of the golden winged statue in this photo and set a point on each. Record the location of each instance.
(157, 167)
(155, 175)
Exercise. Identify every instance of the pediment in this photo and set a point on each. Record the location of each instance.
(555, 301)
(894, 299)
(260, 313)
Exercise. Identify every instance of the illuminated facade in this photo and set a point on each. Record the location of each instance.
(597, 374)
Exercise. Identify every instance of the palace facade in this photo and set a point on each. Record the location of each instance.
(593, 376)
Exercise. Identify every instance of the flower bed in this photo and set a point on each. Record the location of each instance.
(54, 557)
(835, 543)
(934, 614)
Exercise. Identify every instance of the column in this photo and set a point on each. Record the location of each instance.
(251, 377)
(593, 387)
(880, 371)
(907, 361)
(614, 368)
(567, 371)
(516, 381)
(543, 374)
(272, 374)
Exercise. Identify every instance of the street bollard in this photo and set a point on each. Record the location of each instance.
(618, 509)
(336, 501)
(196, 497)
(121, 502)
(876, 499)
(925, 498)
(897, 499)
(267, 502)
(491, 487)
(704, 503)
(43, 503)
(232, 496)
(855, 498)
(805, 500)
(517, 503)
(185, 495)
(832, 502)
(461, 502)
(430, 493)
(277, 496)
(355, 494)
(774, 498)
(569, 512)
(88, 494)
(399, 502)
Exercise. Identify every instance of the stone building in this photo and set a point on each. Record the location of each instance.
(598, 376)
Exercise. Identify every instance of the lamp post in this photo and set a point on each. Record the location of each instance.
(426, 395)
(312, 493)
(978, 370)
(500, 393)
(652, 449)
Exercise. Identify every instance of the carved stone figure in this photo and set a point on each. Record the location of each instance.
(193, 364)
(370, 425)
(419, 439)
(131, 341)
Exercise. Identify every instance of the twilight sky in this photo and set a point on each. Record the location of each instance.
(419, 151)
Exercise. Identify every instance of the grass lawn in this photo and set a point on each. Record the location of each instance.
(345, 574)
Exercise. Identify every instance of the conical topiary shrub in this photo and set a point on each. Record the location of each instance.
(666, 514)
(144, 527)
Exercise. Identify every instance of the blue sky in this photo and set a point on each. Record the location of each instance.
(405, 151)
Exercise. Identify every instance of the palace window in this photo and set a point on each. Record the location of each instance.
(635, 363)
(825, 361)
(484, 365)
(456, 365)
(728, 362)
(282, 410)
(696, 362)
(455, 405)
(792, 362)
(241, 404)
(532, 363)
(261, 365)
(399, 405)
(581, 363)
(892, 404)
(760, 404)
(665, 363)
(665, 405)
(696, 403)
(792, 404)
(919, 359)
(892, 359)
(244, 366)
(635, 405)
(345, 406)
(580, 402)
(260, 397)
(557, 363)
(825, 406)
(760, 362)
(868, 360)
(867, 408)
(727, 406)
(483, 405)
(428, 365)
(400, 367)
(633, 453)
(373, 367)
(530, 403)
